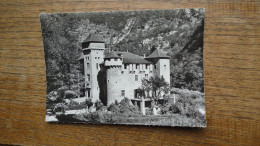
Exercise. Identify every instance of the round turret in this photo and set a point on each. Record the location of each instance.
(113, 60)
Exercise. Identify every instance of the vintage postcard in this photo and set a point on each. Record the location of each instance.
(125, 67)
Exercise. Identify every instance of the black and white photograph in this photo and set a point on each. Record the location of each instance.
(125, 67)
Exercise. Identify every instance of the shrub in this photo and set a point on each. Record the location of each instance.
(98, 105)
(174, 109)
(124, 108)
(187, 104)
(60, 107)
(61, 92)
(70, 94)
(52, 97)
(99, 117)
(89, 103)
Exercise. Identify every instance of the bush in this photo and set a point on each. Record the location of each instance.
(174, 109)
(52, 97)
(89, 103)
(98, 105)
(124, 108)
(70, 94)
(60, 107)
(100, 117)
(187, 104)
(61, 92)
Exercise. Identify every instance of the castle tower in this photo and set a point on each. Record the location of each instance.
(93, 54)
(161, 64)
(113, 65)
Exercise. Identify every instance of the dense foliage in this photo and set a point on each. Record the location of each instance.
(178, 32)
(156, 85)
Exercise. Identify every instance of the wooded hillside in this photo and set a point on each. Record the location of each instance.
(178, 32)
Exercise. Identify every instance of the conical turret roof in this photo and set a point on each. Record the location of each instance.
(93, 38)
(158, 53)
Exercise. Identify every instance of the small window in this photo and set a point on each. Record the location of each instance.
(146, 76)
(136, 77)
(95, 57)
(137, 65)
(97, 65)
(88, 93)
(87, 65)
(98, 57)
(146, 66)
(123, 93)
(154, 66)
(125, 66)
(115, 59)
(164, 66)
(88, 76)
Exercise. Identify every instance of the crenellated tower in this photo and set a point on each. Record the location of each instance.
(113, 64)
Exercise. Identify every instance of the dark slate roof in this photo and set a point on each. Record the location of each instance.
(93, 38)
(157, 54)
(112, 54)
(132, 58)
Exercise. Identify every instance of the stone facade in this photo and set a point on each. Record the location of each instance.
(124, 80)
(124, 71)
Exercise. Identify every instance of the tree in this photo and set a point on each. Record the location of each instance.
(153, 48)
(156, 85)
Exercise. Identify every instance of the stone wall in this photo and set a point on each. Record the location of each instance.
(119, 78)
(92, 67)
(163, 69)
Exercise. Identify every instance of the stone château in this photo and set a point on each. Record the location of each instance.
(112, 76)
